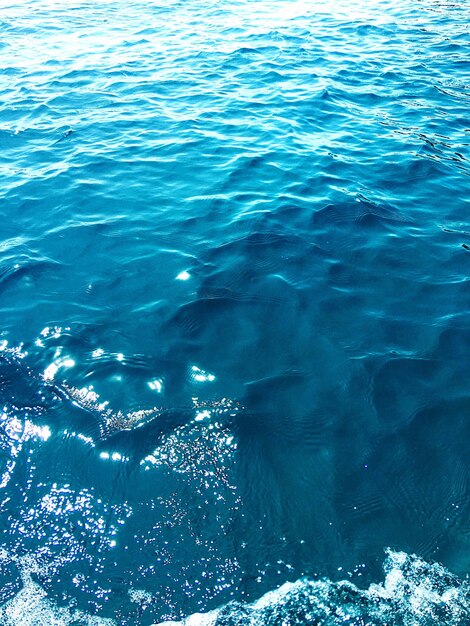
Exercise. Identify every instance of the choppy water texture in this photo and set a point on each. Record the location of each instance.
(234, 299)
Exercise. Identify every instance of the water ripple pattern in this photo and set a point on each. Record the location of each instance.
(234, 305)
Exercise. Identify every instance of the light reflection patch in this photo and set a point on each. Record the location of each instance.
(200, 376)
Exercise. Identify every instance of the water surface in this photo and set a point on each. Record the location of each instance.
(234, 304)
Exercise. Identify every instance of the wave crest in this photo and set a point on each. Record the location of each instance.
(414, 593)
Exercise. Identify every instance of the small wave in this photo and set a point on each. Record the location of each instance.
(414, 593)
(9, 273)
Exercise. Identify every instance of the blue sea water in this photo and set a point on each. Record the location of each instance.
(235, 312)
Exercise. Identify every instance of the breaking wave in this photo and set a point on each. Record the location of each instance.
(413, 593)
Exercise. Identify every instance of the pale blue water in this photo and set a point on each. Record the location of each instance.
(234, 300)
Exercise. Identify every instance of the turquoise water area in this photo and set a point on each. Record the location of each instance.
(234, 305)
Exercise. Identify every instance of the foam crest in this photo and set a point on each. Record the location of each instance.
(414, 593)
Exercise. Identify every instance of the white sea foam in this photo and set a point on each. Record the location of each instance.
(31, 606)
(197, 619)
(414, 593)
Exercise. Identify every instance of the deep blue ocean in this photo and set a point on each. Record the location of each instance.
(234, 312)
